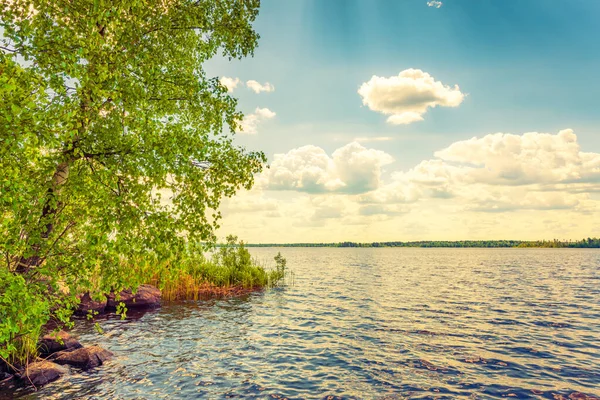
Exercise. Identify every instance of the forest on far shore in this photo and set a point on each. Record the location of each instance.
(583, 243)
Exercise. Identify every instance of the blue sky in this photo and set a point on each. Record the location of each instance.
(522, 66)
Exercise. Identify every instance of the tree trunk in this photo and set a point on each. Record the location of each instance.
(48, 214)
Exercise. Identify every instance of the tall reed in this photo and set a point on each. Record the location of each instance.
(229, 270)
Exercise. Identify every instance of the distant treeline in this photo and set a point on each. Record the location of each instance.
(584, 243)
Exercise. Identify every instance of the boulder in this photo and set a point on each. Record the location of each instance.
(84, 358)
(87, 304)
(42, 372)
(147, 296)
(54, 342)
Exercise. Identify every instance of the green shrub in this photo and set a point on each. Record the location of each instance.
(23, 312)
(231, 266)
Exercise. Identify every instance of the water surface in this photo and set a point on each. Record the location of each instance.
(369, 323)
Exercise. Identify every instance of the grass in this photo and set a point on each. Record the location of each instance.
(230, 270)
(21, 349)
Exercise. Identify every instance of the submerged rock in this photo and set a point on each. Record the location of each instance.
(54, 342)
(86, 304)
(84, 358)
(147, 296)
(42, 372)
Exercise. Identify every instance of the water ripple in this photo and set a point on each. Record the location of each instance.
(369, 323)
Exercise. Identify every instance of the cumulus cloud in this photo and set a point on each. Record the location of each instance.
(463, 192)
(232, 83)
(428, 179)
(381, 209)
(500, 172)
(407, 96)
(328, 207)
(257, 87)
(513, 199)
(250, 122)
(229, 83)
(496, 172)
(405, 118)
(264, 113)
(434, 3)
(350, 169)
(506, 159)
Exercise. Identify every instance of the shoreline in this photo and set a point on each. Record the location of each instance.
(589, 243)
(53, 343)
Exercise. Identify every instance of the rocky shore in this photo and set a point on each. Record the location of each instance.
(60, 351)
(146, 296)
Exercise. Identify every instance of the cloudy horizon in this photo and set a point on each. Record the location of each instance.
(375, 135)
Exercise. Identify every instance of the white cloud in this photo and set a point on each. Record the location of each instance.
(434, 3)
(350, 169)
(506, 159)
(381, 209)
(500, 172)
(373, 139)
(328, 207)
(405, 118)
(511, 199)
(250, 201)
(250, 122)
(407, 96)
(264, 113)
(548, 185)
(229, 83)
(497, 172)
(258, 87)
(359, 168)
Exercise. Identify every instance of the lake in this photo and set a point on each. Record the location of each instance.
(386, 323)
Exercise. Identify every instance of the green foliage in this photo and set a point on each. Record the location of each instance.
(592, 243)
(238, 268)
(280, 267)
(25, 307)
(22, 312)
(190, 275)
(106, 111)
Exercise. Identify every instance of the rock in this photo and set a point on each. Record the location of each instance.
(86, 304)
(84, 358)
(51, 343)
(147, 296)
(5, 377)
(42, 372)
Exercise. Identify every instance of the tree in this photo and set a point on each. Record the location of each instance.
(105, 108)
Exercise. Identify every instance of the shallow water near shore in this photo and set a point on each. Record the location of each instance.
(367, 323)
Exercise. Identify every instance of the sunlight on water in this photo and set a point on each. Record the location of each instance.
(369, 323)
